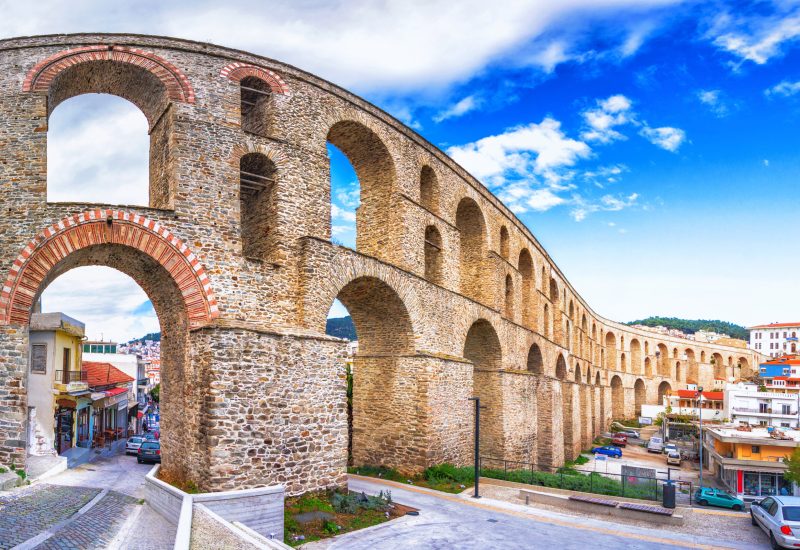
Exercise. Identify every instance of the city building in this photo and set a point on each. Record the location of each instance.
(110, 389)
(128, 362)
(59, 404)
(685, 403)
(749, 461)
(746, 405)
(775, 339)
(708, 336)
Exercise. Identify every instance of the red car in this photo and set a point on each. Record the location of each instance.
(619, 440)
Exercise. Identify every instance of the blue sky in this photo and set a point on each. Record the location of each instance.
(650, 146)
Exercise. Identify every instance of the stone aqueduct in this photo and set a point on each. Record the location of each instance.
(450, 293)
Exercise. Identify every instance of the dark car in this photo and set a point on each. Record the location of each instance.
(619, 440)
(150, 451)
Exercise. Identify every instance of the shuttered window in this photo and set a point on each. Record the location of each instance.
(39, 358)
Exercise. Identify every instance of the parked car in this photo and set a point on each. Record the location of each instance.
(779, 517)
(150, 436)
(149, 451)
(619, 440)
(708, 496)
(670, 448)
(630, 433)
(655, 445)
(615, 452)
(133, 444)
(674, 458)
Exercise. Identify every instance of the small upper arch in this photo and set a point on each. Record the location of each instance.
(239, 71)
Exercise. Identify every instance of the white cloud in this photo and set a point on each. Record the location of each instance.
(766, 162)
(666, 137)
(98, 150)
(532, 149)
(713, 99)
(462, 107)
(339, 213)
(390, 46)
(784, 88)
(582, 207)
(109, 302)
(756, 38)
(610, 112)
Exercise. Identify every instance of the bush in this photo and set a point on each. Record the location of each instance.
(443, 473)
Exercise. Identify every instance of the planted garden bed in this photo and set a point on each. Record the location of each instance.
(316, 516)
(443, 477)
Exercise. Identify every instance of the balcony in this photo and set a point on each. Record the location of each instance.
(776, 412)
(69, 376)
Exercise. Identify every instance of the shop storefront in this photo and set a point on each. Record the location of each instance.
(111, 415)
(64, 424)
(83, 423)
(750, 484)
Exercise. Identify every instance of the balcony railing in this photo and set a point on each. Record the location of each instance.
(69, 376)
(790, 412)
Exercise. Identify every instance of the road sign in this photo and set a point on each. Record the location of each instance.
(600, 457)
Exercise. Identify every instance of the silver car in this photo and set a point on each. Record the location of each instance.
(133, 444)
(779, 517)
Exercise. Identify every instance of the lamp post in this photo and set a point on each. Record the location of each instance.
(700, 410)
(477, 443)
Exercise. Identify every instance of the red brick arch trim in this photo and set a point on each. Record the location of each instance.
(177, 85)
(237, 71)
(61, 239)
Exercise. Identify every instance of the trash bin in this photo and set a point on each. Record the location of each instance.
(668, 495)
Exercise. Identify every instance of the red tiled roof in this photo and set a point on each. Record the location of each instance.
(783, 360)
(104, 374)
(707, 395)
(775, 325)
(787, 378)
(114, 391)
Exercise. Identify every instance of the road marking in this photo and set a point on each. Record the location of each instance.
(571, 525)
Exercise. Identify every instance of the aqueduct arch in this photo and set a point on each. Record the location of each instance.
(426, 285)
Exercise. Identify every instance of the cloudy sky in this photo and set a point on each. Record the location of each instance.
(649, 145)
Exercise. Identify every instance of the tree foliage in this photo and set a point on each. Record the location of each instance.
(792, 463)
(155, 393)
(690, 326)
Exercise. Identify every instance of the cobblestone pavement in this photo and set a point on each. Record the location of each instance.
(115, 521)
(24, 513)
(96, 528)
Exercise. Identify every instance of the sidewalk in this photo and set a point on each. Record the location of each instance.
(458, 521)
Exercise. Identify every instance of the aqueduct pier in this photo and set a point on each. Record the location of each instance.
(450, 293)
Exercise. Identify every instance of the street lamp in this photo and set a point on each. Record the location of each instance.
(477, 457)
(700, 409)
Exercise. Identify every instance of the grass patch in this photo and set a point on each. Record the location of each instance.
(442, 477)
(320, 515)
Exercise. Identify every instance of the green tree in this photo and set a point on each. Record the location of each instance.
(155, 393)
(792, 462)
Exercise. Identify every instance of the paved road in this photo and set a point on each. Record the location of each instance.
(96, 505)
(452, 521)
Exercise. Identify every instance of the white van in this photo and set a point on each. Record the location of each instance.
(655, 445)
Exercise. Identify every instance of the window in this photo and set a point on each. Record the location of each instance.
(86, 348)
(786, 409)
(756, 450)
(256, 184)
(255, 102)
(39, 358)
(67, 361)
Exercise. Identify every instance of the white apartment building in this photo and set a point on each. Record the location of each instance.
(744, 404)
(775, 339)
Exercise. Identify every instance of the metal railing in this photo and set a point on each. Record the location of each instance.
(587, 481)
(68, 376)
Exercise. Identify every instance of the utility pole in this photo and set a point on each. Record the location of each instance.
(477, 443)
(700, 409)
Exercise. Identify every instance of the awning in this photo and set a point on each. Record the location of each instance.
(114, 391)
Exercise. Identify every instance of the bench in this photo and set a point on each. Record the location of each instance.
(595, 500)
(646, 508)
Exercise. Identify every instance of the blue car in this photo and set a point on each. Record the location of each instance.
(614, 452)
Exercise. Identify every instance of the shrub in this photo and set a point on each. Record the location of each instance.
(443, 473)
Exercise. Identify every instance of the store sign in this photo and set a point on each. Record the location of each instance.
(77, 386)
(645, 421)
(67, 403)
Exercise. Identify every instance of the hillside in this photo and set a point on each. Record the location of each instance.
(341, 327)
(153, 336)
(690, 326)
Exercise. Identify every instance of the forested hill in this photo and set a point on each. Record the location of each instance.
(153, 337)
(341, 327)
(690, 326)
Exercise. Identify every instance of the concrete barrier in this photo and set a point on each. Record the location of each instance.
(563, 501)
(259, 509)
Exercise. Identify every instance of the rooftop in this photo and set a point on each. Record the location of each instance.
(104, 374)
(707, 395)
(57, 321)
(775, 325)
(733, 434)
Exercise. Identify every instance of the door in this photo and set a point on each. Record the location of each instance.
(64, 434)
